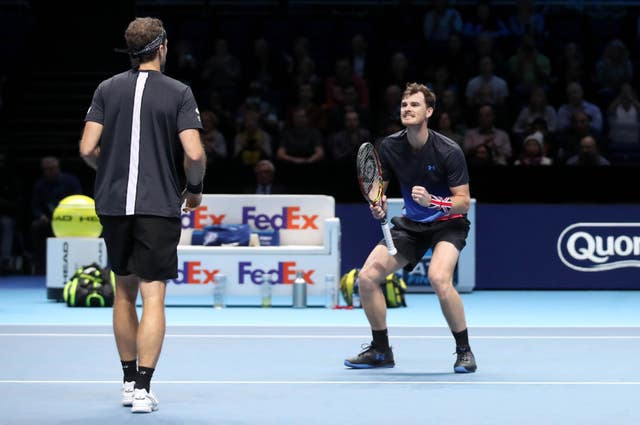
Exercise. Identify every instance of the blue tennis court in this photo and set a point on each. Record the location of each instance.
(544, 358)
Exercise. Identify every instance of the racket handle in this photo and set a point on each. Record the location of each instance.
(386, 231)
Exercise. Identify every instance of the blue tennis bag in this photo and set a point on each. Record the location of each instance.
(222, 235)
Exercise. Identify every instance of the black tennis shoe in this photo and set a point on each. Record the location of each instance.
(370, 357)
(466, 362)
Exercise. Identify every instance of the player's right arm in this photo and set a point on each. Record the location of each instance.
(379, 210)
(195, 163)
(89, 149)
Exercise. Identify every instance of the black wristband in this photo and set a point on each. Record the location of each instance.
(194, 188)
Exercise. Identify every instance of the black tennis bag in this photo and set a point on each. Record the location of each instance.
(90, 286)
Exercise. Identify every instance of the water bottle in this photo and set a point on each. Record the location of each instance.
(265, 292)
(218, 291)
(331, 292)
(355, 297)
(299, 291)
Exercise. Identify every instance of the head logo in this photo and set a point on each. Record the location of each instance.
(594, 247)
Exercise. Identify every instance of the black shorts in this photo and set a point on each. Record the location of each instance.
(143, 245)
(413, 239)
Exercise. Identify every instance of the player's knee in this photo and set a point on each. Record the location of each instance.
(366, 283)
(441, 282)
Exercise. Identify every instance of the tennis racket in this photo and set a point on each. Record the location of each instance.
(370, 181)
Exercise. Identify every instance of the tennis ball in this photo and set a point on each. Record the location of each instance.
(76, 215)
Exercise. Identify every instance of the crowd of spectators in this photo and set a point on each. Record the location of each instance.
(510, 91)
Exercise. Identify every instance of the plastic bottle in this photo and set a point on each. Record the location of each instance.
(299, 291)
(266, 292)
(218, 291)
(331, 292)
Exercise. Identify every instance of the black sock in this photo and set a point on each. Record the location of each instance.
(462, 339)
(130, 370)
(143, 379)
(380, 339)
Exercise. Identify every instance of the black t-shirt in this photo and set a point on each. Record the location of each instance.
(142, 113)
(437, 166)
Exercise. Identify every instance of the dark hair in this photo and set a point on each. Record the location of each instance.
(139, 34)
(429, 96)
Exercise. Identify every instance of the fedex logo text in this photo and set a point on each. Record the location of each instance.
(192, 272)
(289, 219)
(285, 273)
(199, 218)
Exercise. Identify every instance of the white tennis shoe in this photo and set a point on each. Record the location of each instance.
(143, 401)
(127, 393)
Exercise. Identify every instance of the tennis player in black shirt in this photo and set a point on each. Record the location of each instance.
(139, 125)
(434, 181)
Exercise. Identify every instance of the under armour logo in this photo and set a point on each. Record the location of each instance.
(380, 356)
(431, 168)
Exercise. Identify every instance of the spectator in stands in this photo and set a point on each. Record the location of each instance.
(537, 108)
(350, 103)
(533, 151)
(624, 118)
(576, 101)
(360, 57)
(187, 68)
(569, 140)
(528, 68)
(257, 101)
(497, 140)
(389, 111)
(267, 67)
(305, 73)
(588, 155)
(213, 141)
(400, 71)
(265, 183)
(440, 79)
(226, 123)
(300, 144)
(480, 156)
(450, 104)
(440, 23)
(343, 145)
(306, 99)
(457, 60)
(252, 143)
(344, 76)
(526, 21)
(48, 191)
(485, 21)
(486, 87)
(222, 72)
(450, 129)
(613, 69)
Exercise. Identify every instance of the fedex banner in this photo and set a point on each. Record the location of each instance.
(558, 247)
(297, 212)
(246, 275)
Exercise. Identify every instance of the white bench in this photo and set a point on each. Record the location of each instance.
(309, 236)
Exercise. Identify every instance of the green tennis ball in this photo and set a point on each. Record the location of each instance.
(76, 216)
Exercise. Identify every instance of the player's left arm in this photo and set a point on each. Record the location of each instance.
(460, 199)
(89, 148)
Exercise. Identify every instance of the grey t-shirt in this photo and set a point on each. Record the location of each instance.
(142, 113)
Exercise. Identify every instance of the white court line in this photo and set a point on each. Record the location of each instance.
(275, 336)
(8, 381)
(332, 325)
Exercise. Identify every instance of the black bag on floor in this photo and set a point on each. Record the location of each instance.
(90, 286)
